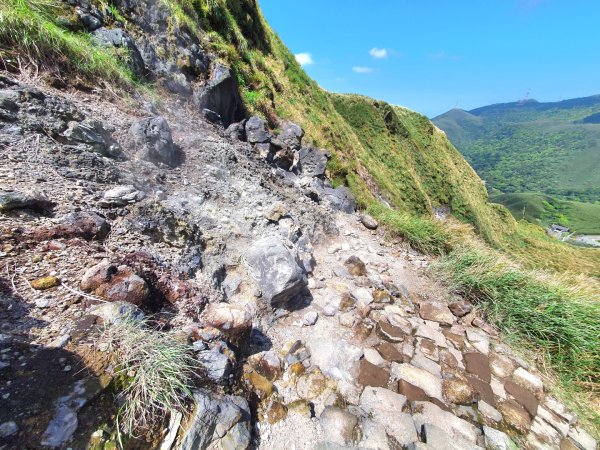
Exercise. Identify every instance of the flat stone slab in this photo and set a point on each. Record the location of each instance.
(372, 375)
(420, 378)
(436, 312)
(478, 364)
(428, 413)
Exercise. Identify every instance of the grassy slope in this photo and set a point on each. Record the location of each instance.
(532, 147)
(582, 218)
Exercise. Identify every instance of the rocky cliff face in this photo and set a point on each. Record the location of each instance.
(307, 325)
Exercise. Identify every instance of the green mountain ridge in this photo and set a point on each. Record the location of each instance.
(530, 146)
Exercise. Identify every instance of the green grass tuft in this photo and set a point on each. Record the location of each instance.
(155, 371)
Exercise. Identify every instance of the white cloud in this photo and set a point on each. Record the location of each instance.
(304, 59)
(362, 69)
(378, 52)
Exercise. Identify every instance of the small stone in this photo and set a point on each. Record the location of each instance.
(374, 357)
(8, 429)
(355, 266)
(488, 412)
(262, 387)
(67, 368)
(436, 312)
(329, 310)
(497, 440)
(41, 284)
(276, 413)
(276, 212)
(420, 378)
(460, 308)
(459, 391)
(310, 318)
(230, 319)
(429, 349)
(368, 221)
(479, 340)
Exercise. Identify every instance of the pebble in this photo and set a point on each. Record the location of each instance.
(8, 429)
(310, 318)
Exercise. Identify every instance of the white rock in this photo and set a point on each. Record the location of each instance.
(583, 439)
(310, 318)
(529, 381)
(421, 378)
(428, 413)
(497, 440)
(489, 412)
(329, 310)
(335, 358)
(374, 357)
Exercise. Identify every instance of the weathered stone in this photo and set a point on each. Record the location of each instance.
(421, 378)
(121, 196)
(310, 386)
(256, 130)
(459, 391)
(560, 410)
(310, 318)
(429, 349)
(501, 366)
(215, 364)
(497, 440)
(339, 426)
(276, 212)
(389, 352)
(390, 332)
(529, 381)
(582, 439)
(560, 424)
(339, 198)
(8, 429)
(231, 319)
(336, 359)
(373, 356)
(153, 141)
(221, 95)
(488, 413)
(438, 439)
(19, 200)
(115, 283)
(311, 162)
(428, 413)
(479, 340)
(260, 385)
(372, 375)
(448, 360)
(220, 421)
(483, 388)
(291, 135)
(515, 416)
(460, 308)
(419, 360)
(436, 312)
(456, 339)
(355, 266)
(522, 396)
(276, 413)
(545, 432)
(94, 136)
(386, 407)
(374, 435)
(368, 221)
(277, 272)
(412, 392)
(478, 364)
(41, 284)
(268, 364)
(114, 312)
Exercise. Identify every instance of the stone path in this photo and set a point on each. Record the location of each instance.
(377, 360)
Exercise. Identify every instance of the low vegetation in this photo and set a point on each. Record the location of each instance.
(154, 373)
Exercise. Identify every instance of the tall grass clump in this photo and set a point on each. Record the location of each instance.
(154, 373)
(561, 320)
(33, 29)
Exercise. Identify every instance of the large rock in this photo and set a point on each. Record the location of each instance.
(311, 162)
(339, 198)
(115, 283)
(274, 267)
(19, 200)
(428, 413)
(81, 224)
(221, 95)
(220, 421)
(154, 142)
(256, 131)
(119, 38)
(94, 136)
(291, 135)
(339, 426)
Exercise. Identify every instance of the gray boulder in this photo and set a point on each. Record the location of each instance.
(94, 136)
(119, 38)
(215, 363)
(19, 200)
(236, 131)
(152, 136)
(311, 162)
(256, 131)
(221, 95)
(220, 421)
(291, 135)
(339, 198)
(274, 267)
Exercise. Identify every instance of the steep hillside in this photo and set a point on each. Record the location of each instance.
(552, 148)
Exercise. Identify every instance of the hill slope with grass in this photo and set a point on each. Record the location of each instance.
(528, 146)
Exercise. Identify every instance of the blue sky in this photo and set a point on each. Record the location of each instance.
(431, 56)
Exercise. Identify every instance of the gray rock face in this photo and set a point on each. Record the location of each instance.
(93, 135)
(18, 200)
(291, 135)
(220, 421)
(497, 440)
(119, 38)
(256, 131)
(312, 162)
(274, 267)
(153, 139)
(221, 95)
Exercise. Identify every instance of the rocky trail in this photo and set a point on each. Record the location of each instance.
(310, 326)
